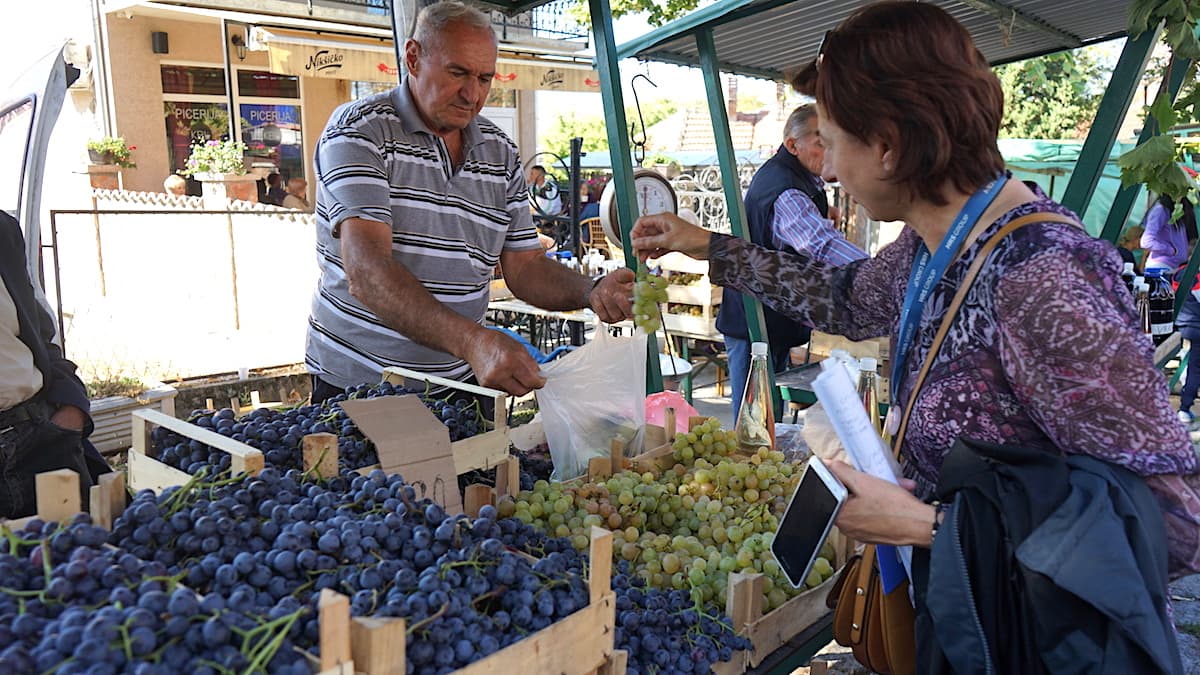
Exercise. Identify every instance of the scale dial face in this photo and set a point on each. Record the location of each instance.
(653, 194)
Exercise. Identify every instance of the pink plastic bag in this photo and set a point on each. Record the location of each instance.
(656, 409)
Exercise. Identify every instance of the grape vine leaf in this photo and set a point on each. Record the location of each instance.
(1164, 112)
(1139, 16)
(1146, 159)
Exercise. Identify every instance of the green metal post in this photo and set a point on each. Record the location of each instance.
(1123, 203)
(618, 144)
(729, 171)
(755, 323)
(1117, 99)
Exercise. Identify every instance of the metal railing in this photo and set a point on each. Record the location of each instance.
(550, 21)
(701, 191)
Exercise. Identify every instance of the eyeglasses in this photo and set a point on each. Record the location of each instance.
(821, 47)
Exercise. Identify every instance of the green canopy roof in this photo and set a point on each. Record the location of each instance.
(772, 38)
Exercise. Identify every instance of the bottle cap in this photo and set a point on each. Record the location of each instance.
(1138, 281)
(1153, 272)
(1144, 287)
(758, 349)
(867, 363)
(1128, 268)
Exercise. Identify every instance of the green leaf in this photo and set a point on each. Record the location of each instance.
(1139, 16)
(1156, 152)
(1163, 112)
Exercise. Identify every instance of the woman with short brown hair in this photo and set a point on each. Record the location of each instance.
(1043, 354)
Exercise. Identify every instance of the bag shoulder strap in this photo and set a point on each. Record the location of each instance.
(959, 296)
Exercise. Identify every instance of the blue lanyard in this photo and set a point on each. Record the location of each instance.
(926, 273)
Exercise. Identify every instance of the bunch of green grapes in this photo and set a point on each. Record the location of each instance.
(649, 290)
(713, 513)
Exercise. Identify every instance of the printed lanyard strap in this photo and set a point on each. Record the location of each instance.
(926, 273)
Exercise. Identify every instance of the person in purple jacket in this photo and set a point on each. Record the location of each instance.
(1167, 243)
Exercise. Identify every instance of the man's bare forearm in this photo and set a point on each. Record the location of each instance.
(402, 303)
(545, 283)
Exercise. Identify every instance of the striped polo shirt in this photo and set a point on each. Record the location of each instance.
(378, 160)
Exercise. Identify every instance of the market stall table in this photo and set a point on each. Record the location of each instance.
(547, 329)
(795, 386)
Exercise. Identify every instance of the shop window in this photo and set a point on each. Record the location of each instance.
(192, 123)
(192, 80)
(267, 85)
(364, 89)
(502, 98)
(273, 139)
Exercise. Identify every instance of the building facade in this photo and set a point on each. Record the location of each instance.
(270, 72)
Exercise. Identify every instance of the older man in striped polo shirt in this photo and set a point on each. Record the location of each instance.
(418, 199)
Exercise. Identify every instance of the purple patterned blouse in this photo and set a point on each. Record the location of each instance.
(1044, 352)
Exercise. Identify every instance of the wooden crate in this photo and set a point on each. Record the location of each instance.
(579, 644)
(486, 450)
(703, 293)
(57, 494)
(767, 632)
(147, 472)
(482, 451)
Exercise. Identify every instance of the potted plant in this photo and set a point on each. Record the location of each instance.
(221, 167)
(111, 150)
(663, 164)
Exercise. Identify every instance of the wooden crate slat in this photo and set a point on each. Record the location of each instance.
(377, 645)
(483, 451)
(108, 499)
(320, 453)
(205, 436)
(334, 611)
(398, 375)
(147, 473)
(617, 664)
(575, 645)
(57, 494)
(783, 623)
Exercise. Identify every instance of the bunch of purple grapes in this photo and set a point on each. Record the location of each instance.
(665, 632)
(269, 544)
(278, 434)
(69, 604)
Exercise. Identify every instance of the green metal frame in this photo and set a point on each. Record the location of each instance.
(1127, 197)
(1116, 101)
(619, 154)
(756, 324)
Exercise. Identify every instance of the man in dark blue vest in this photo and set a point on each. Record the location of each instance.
(786, 209)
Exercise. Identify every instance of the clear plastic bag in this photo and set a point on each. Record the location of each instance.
(593, 395)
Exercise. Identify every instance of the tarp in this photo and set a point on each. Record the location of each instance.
(345, 57)
(1050, 164)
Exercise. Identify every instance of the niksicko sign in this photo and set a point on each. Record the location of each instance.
(325, 62)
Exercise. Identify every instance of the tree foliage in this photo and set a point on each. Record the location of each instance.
(657, 12)
(1051, 97)
(1156, 162)
(592, 129)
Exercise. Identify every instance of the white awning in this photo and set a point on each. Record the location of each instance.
(345, 57)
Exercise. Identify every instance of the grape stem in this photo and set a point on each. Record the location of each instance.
(428, 620)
